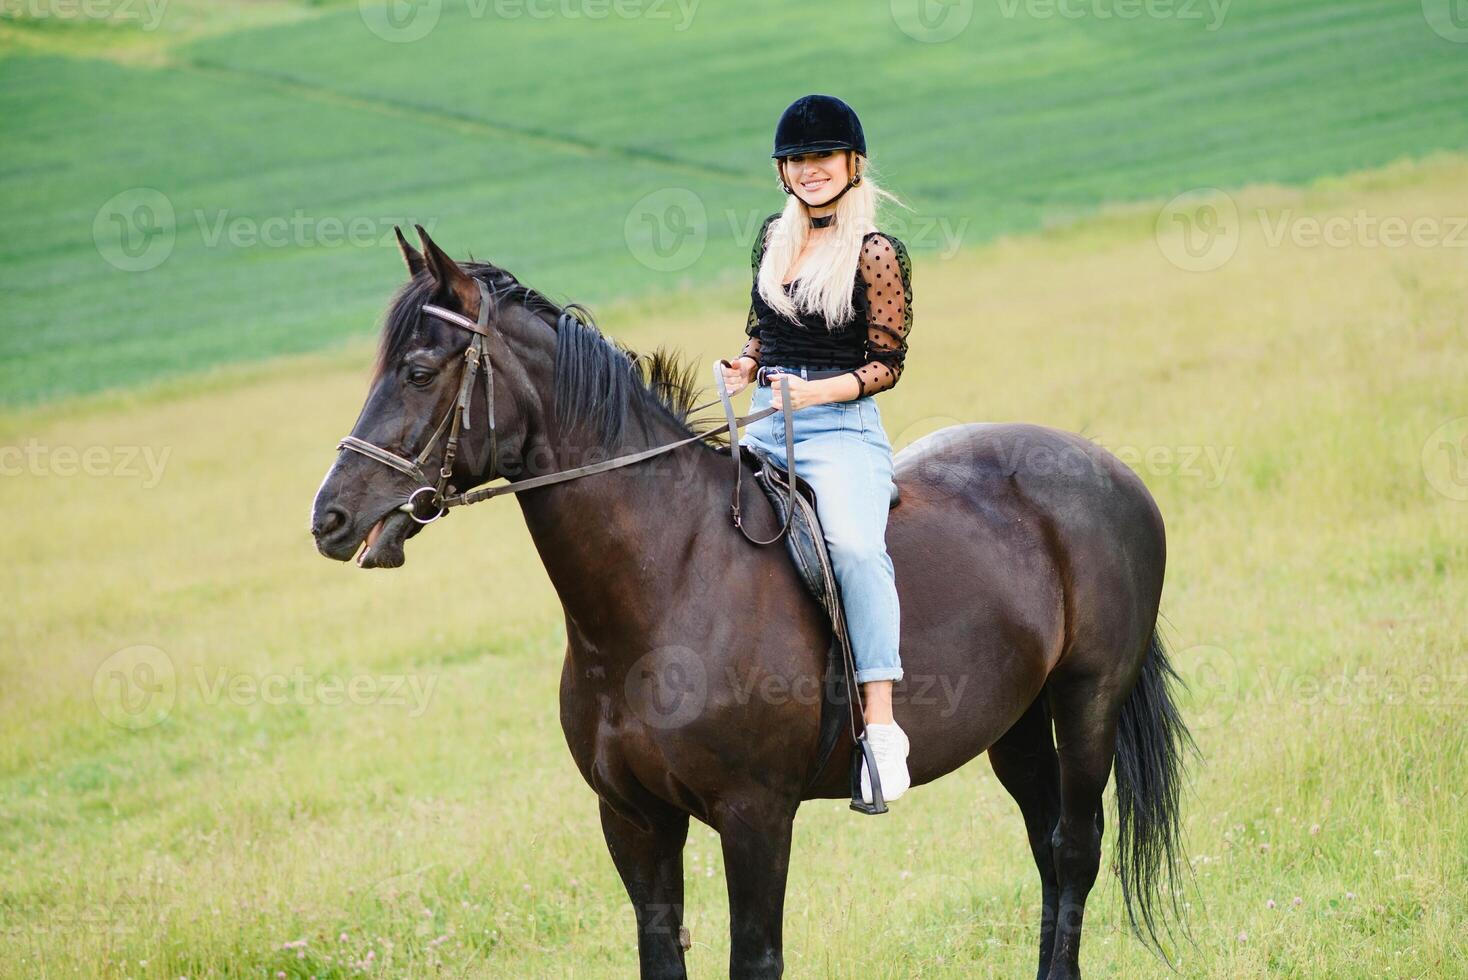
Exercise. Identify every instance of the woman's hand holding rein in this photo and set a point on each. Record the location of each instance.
(740, 374)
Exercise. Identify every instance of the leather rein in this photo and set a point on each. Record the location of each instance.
(443, 497)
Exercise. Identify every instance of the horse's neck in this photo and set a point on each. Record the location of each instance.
(614, 544)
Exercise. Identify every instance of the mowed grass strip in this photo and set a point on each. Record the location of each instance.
(1293, 410)
(232, 198)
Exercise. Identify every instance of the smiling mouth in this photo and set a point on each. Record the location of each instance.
(813, 185)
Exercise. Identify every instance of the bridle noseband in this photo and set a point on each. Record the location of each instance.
(443, 495)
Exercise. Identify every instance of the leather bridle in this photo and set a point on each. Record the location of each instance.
(442, 495)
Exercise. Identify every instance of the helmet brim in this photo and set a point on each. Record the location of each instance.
(791, 149)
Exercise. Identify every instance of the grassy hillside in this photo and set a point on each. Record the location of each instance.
(221, 185)
(1296, 410)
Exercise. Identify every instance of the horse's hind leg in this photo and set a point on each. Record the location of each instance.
(1085, 740)
(650, 861)
(1024, 760)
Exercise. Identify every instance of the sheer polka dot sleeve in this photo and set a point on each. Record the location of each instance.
(886, 273)
(752, 346)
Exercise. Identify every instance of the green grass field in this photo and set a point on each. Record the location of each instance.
(1297, 411)
(218, 183)
(222, 756)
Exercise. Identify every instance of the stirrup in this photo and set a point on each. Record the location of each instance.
(864, 752)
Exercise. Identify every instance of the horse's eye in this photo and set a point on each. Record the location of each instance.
(420, 376)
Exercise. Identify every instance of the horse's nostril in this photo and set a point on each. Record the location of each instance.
(328, 521)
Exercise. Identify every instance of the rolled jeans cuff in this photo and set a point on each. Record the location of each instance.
(879, 674)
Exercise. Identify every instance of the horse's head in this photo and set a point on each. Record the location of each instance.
(424, 397)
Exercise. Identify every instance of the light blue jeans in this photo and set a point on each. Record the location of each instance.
(842, 451)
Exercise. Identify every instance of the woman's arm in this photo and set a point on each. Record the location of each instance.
(752, 350)
(886, 272)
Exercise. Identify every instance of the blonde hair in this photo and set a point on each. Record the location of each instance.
(826, 284)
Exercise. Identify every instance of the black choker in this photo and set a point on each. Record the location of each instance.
(822, 221)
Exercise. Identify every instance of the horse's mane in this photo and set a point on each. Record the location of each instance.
(598, 381)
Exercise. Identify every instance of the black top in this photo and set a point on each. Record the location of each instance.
(872, 344)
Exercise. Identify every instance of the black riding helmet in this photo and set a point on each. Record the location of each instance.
(818, 122)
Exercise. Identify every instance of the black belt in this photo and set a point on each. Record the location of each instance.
(811, 374)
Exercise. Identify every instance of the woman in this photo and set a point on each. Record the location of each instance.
(831, 308)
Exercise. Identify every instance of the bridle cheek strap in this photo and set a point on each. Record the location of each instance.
(456, 418)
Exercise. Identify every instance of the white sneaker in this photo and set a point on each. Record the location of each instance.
(889, 744)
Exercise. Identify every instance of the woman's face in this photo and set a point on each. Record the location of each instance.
(817, 176)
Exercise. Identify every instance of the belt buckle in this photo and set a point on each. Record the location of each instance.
(764, 379)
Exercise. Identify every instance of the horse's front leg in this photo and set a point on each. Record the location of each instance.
(650, 862)
(756, 843)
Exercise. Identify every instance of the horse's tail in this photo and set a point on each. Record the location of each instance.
(1151, 741)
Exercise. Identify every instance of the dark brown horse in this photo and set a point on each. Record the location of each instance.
(1029, 564)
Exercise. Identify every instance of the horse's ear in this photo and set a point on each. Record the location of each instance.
(450, 278)
(411, 255)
